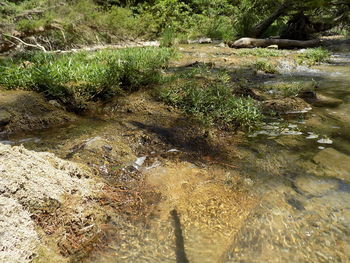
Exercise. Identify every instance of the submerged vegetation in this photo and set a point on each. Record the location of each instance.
(80, 77)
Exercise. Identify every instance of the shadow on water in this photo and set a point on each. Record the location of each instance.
(187, 139)
(180, 244)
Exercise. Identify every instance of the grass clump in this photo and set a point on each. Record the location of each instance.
(264, 65)
(313, 56)
(80, 77)
(209, 97)
(259, 52)
(283, 89)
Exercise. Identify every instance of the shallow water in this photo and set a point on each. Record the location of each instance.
(288, 200)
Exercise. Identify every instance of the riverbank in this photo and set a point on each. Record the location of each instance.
(171, 184)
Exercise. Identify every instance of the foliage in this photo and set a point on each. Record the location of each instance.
(210, 98)
(77, 78)
(314, 56)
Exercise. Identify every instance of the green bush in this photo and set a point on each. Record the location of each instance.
(80, 77)
(211, 101)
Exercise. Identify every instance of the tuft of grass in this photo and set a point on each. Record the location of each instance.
(259, 52)
(283, 89)
(264, 65)
(209, 97)
(313, 56)
(80, 77)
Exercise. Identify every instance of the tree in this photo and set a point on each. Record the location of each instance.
(302, 19)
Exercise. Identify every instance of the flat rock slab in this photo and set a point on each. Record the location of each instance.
(334, 163)
(315, 186)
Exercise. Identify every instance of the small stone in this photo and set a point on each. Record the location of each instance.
(272, 47)
(107, 148)
(56, 104)
(222, 44)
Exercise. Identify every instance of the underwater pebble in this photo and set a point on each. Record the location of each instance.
(321, 147)
(325, 141)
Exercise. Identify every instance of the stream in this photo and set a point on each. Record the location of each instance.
(287, 201)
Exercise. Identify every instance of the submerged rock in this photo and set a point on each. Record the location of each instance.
(315, 186)
(325, 101)
(335, 164)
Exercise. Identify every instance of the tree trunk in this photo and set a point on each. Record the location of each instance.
(281, 43)
(259, 29)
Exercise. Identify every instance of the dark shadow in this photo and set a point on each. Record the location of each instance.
(183, 135)
(179, 239)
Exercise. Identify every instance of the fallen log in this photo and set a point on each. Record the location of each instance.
(281, 43)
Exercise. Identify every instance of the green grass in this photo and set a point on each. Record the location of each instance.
(264, 65)
(80, 77)
(283, 89)
(259, 52)
(313, 56)
(209, 97)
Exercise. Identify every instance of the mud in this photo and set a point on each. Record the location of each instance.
(25, 111)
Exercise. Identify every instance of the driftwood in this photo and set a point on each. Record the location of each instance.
(281, 43)
(11, 41)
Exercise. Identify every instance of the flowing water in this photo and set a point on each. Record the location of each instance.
(288, 200)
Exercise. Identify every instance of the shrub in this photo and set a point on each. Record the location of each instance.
(211, 101)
